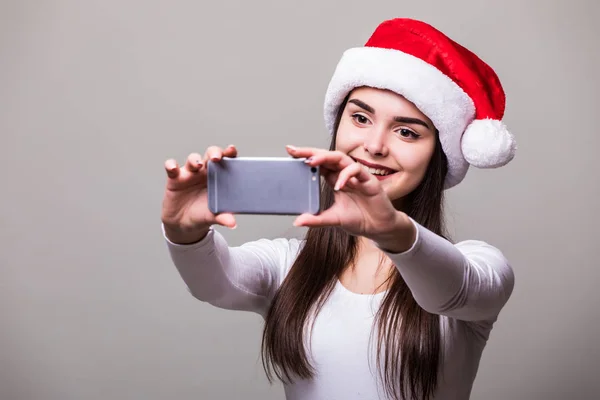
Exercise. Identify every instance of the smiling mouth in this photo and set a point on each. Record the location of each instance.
(378, 170)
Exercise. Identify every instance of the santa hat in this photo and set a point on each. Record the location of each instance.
(459, 92)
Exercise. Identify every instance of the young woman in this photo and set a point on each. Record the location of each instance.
(375, 302)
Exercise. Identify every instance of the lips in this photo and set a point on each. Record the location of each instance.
(375, 169)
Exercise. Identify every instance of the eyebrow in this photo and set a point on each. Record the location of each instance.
(405, 120)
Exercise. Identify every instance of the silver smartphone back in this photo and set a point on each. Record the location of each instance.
(263, 185)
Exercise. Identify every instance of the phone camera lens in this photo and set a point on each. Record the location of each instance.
(313, 170)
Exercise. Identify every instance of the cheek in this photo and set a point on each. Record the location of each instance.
(347, 138)
(414, 158)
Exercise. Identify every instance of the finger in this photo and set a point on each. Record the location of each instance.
(230, 151)
(326, 218)
(194, 162)
(226, 219)
(172, 168)
(353, 184)
(332, 160)
(363, 188)
(213, 153)
(303, 152)
(352, 171)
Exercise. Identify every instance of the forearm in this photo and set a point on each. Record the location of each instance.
(470, 281)
(231, 278)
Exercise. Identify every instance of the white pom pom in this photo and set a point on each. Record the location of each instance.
(487, 143)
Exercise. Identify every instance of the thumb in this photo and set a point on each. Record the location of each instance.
(226, 219)
(328, 217)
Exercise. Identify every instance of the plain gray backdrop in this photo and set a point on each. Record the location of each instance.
(96, 95)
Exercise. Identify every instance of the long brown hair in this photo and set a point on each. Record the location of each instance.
(409, 348)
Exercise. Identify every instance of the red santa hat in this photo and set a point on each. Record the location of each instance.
(459, 92)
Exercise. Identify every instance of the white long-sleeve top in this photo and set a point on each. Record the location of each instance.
(467, 283)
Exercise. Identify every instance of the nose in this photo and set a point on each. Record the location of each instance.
(375, 143)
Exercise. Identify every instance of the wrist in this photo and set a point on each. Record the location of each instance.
(180, 236)
(400, 237)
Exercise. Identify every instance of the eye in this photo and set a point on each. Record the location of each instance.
(408, 134)
(361, 119)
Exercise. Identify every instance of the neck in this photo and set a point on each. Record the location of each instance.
(369, 271)
(366, 246)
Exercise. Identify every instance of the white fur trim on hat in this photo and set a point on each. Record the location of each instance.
(487, 143)
(435, 94)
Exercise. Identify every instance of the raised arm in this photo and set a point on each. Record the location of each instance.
(241, 278)
(236, 278)
(471, 280)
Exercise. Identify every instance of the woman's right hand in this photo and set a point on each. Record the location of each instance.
(185, 213)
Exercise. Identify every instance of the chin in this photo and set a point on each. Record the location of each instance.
(395, 194)
(396, 190)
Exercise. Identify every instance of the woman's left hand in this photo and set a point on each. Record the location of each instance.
(361, 207)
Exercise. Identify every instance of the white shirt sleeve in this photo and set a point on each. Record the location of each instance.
(470, 280)
(236, 278)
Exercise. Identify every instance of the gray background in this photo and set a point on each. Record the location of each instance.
(95, 95)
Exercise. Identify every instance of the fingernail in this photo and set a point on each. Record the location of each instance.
(337, 187)
(199, 162)
(308, 160)
(233, 227)
(289, 146)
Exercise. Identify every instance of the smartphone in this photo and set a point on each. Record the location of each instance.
(263, 185)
